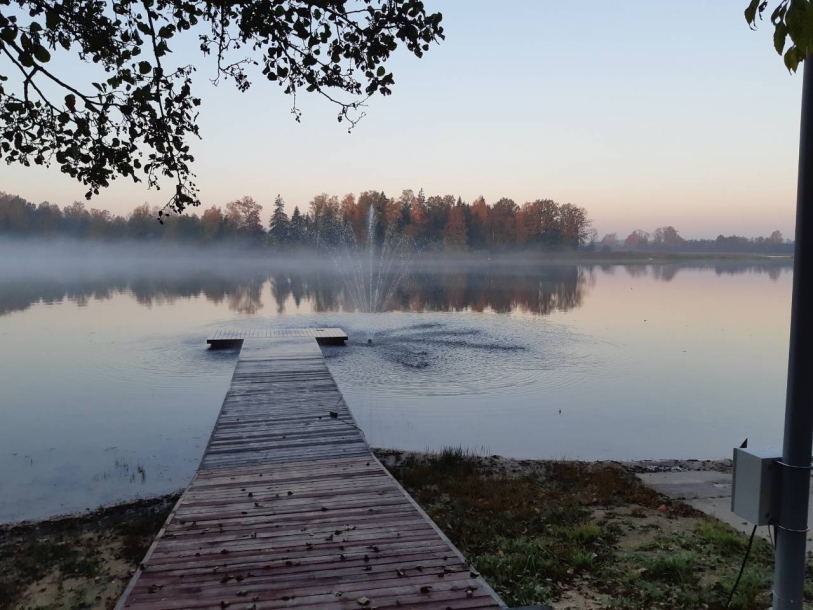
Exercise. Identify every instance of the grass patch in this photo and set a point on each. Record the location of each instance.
(538, 530)
(751, 590)
(723, 538)
(672, 567)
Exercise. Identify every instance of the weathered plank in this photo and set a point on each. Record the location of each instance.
(290, 508)
(233, 338)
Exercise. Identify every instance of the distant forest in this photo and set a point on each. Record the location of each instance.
(433, 223)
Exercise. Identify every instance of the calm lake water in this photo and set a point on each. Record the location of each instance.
(109, 391)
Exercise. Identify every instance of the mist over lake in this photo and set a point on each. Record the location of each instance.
(110, 392)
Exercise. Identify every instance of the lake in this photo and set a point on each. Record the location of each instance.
(109, 391)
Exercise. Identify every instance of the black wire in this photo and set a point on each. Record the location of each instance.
(742, 568)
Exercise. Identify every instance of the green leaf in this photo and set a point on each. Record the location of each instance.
(779, 36)
(42, 54)
(381, 71)
(26, 60)
(144, 67)
(791, 59)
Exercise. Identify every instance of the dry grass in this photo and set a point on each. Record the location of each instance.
(576, 534)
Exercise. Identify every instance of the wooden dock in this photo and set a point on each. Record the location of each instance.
(290, 508)
(235, 338)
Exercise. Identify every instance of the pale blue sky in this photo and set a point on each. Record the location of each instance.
(646, 113)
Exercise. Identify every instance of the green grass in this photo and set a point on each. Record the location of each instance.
(724, 539)
(581, 533)
(672, 567)
(581, 560)
(751, 590)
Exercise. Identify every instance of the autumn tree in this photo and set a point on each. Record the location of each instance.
(454, 233)
(243, 217)
(140, 223)
(212, 223)
(393, 216)
(591, 238)
(666, 236)
(437, 214)
(137, 120)
(502, 226)
(405, 201)
(100, 222)
(418, 219)
(478, 226)
(609, 240)
(637, 239)
(539, 224)
(324, 214)
(77, 217)
(377, 201)
(182, 228)
(351, 214)
(15, 214)
(48, 218)
(574, 225)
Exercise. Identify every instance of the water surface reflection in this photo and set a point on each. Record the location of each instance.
(109, 392)
(535, 289)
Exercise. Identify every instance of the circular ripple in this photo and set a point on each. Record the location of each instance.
(477, 354)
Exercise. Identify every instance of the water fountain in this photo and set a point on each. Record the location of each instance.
(372, 271)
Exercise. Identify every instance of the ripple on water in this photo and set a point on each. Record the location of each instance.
(484, 355)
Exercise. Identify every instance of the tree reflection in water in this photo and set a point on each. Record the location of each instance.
(535, 289)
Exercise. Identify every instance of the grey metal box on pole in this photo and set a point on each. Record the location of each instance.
(753, 495)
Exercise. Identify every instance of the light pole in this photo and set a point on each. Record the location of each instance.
(794, 469)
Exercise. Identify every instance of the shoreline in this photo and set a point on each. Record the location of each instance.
(383, 454)
(87, 559)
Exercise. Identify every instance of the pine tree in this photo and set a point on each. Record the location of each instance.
(279, 227)
(296, 235)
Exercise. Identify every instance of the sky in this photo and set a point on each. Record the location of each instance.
(645, 113)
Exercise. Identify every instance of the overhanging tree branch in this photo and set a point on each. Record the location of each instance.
(326, 46)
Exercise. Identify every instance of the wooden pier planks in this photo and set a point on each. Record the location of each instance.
(230, 338)
(290, 509)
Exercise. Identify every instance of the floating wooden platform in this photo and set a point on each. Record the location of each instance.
(290, 508)
(233, 338)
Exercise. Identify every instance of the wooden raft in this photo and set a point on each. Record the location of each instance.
(290, 509)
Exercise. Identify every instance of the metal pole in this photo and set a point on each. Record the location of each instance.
(794, 470)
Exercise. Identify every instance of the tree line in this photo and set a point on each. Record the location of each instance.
(668, 239)
(435, 222)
